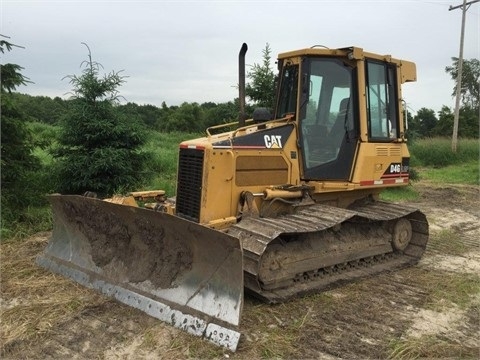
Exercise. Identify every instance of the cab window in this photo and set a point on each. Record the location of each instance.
(327, 115)
(381, 104)
(287, 102)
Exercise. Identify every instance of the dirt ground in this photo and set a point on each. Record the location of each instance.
(430, 310)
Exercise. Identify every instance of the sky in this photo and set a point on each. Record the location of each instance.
(187, 51)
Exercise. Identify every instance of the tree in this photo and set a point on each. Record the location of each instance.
(221, 114)
(426, 121)
(261, 90)
(470, 89)
(17, 160)
(99, 148)
(187, 117)
(467, 128)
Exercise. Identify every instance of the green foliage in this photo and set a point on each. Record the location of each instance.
(91, 87)
(399, 194)
(460, 173)
(261, 90)
(32, 220)
(99, 149)
(425, 121)
(30, 212)
(426, 124)
(11, 73)
(436, 152)
(42, 108)
(188, 117)
(221, 113)
(18, 164)
(467, 123)
(162, 167)
(469, 90)
(150, 115)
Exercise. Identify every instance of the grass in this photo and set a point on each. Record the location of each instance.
(397, 194)
(162, 170)
(460, 288)
(462, 173)
(429, 347)
(34, 219)
(433, 161)
(437, 152)
(23, 316)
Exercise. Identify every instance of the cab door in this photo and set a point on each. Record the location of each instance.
(329, 130)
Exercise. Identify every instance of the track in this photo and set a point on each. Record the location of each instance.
(320, 247)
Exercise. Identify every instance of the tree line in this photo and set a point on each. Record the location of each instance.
(194, 117)
(188, 117)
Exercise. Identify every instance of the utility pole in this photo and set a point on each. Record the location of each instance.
(464, 7)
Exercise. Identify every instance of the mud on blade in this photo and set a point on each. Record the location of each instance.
(175, 270)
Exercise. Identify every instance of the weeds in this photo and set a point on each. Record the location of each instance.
(437, 152)
(23, 316)
(429, 347)
(32, 220)
(461, 173)
(396, 194)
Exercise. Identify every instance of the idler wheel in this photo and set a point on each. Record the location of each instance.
(402, 234)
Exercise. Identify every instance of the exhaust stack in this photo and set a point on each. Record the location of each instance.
(241, 84)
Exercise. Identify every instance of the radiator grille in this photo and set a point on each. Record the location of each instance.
(189, 183)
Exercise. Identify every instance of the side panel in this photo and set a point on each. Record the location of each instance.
(251, 160)
(218, 185)
(381, 165)
(261, 170)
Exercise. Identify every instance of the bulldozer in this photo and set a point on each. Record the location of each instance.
(281, 205)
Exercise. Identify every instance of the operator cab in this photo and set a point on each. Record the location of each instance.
(321, 87)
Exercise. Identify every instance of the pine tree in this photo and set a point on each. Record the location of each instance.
(99, 148)
(261, 90)
(17, 159)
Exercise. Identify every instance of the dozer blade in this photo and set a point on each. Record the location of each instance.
(175, 270)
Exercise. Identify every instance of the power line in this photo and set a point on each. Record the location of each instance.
(463, 5)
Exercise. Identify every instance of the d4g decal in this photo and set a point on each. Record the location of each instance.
(397, 169)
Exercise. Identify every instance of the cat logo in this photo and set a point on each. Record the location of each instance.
(273, 141)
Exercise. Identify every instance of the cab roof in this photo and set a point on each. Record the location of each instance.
(407, 68)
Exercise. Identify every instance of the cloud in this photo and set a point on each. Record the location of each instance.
(176, 51)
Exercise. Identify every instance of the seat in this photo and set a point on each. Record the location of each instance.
(337, 131)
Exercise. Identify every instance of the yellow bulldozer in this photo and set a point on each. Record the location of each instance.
(280, 205)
